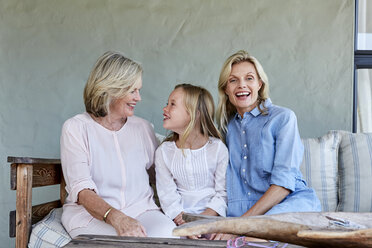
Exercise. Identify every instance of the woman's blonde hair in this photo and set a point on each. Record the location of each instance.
(200, 106)
(225, 109)
(112, 77)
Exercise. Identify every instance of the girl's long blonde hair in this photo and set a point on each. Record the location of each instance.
(225, 109)
(200, 106)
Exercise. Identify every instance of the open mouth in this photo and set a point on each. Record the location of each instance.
(165, 117)
(242, 95)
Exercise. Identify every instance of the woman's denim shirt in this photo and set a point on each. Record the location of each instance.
(263, 150)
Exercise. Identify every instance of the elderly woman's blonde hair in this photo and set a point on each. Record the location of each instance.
(225, 110)
(112, 77)
(200, 106)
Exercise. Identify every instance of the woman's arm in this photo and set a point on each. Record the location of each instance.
(274, 195)
(97, 207)
(270, 198)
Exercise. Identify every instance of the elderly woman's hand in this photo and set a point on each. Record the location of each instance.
(125, 225)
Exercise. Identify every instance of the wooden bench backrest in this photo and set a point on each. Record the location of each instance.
(25, 174)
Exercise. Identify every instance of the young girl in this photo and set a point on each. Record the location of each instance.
(191, 162)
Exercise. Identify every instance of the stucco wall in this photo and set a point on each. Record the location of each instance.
(48, 47)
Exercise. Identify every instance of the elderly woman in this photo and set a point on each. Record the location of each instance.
(105, 154)
(264, 144)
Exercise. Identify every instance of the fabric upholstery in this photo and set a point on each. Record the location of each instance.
(49, 232)
(319, 167)
(355, 169)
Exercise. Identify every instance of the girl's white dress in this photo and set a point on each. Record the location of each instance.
(192, 180)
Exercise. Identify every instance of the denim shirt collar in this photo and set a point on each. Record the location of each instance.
(255, 112)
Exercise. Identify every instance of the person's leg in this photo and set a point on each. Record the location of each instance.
(157, 224)
(94, 227)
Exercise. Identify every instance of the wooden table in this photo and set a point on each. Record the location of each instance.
(95, 241)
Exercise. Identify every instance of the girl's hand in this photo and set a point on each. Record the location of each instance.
(178, 219)
(125, 225)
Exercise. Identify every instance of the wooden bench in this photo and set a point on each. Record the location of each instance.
(25, 174)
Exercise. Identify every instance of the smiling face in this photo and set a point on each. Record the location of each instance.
(124, 107)
(176, 117)
(242, 87)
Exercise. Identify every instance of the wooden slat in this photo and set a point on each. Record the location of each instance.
(41, 210)
(43, 175)
(28, 160)
(133, 242)
(38, 213)
(46, 174)
(62, 190)
(23, 204)
(95, 241)
(12, 224)
(13, 176)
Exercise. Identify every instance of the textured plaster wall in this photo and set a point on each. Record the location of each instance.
(47, 48)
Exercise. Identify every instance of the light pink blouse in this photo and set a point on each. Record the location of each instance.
(112, 163)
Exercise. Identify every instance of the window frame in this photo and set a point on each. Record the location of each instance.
(362, 60)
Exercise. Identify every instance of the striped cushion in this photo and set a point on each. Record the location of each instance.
(355, 169)
(49, 232)
(319, 167)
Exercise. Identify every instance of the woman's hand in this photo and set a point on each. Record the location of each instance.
(125, 225)
(97, 207)
(178, 219)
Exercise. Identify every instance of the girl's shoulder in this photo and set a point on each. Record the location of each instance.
(167, 146)
(217, 143)
(213, 140)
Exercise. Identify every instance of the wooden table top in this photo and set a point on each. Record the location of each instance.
(133, 242)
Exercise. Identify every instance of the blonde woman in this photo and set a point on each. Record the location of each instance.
(105, 154)
(265, 148)
(191, 163)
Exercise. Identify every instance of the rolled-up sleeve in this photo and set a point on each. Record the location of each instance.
(75, 159)
(170, 199)
(218, 201)
(288, 152)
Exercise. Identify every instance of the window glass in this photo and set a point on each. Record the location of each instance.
(364, 108)
(364, 25)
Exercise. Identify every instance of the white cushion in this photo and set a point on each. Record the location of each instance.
(319, 168)
(355, 168)
(49, 232)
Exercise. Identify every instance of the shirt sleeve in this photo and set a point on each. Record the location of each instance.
(170, 199)
(218, 201)
(288, 152)
(75, 159)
